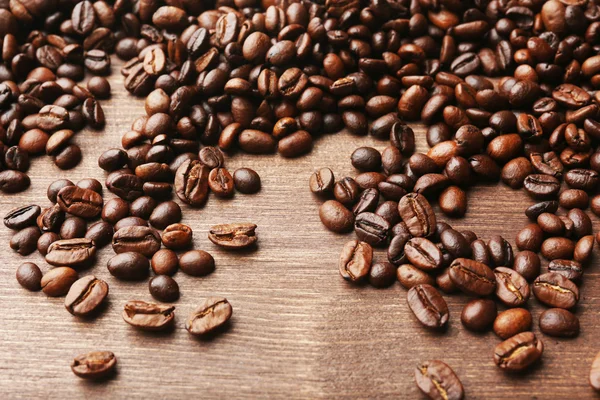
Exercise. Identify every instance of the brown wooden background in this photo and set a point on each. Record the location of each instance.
(298, 330)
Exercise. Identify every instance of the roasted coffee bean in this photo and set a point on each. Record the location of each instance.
(573, 198)
(511, 322)
(570, 269)
(177, 236)
(22, 217)
(366, 159)
(428, 306)
(557, 248)
(555, 290)
(56, 187)
(346, 191)
(479, 315)
(71, 252)
(336, 217)
(165, 214)
(85, 296)
(551, 224)
(423, 254)
(247, 181)
(84, 203)
(164, 262)
(395, 253)
(57, 281)
(455, 243)
(367, 202)
(559, 323)
(112, 159)
(355, 260)
(409, 276)
(197, 263)
(164, 288)
(72, 228)
(382, 274)
(24, 242)
(211, 314)
(51, 219)
(148, 316)
(321, 181)
(438, 381)
(371, 228)
(128, 266)
(541, 186)
(29, 276)
(453, 201)
(584, 179)
(220, 182)
(527, 263)
(233, 236)
(534, 211)
(500, 251)
(583, 249)
(511, 288)
(101, 233)
(582, 224)
(127, 186)
(480, 252)
(191, 183)
(142, 207)
(139, 239)
(13, 181)
(518, 352)
(416, 211)
(96, 365)
(472, 277)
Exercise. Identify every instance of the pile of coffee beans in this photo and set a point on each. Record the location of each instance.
(272, 76)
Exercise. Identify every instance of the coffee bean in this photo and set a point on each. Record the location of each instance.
(22, 217)
(24, 242)
(233, 236)
(96, 365)
(534, 211)
(211, 314)
(336, 217)
(50, 219)
(570, 269)
(83, 203)
(165, 214)
(518, 352)
(527, 263)
(555, 290)
(511, 288)
(582, 224)
(557, 248)
(164, 262)
(595, 373)
(416, 211)
(453, 201)
(138, 239)
(56, 187)
(128, 266)
(455, 243)
(29, 276)
(164, 288)
(347, 191)
(371, 228)
(197, 263)
(72, 228)
(142, 207)
(57, 281)
(366, 159)
(355, 260)
(148, 316)
(382, 275)
(423, 254)
(71, 252)
(479, 315)
(85, 296)
(500, 251)
(584, 179)
(438, 381)
(472, 277)
(127, 186)
(559, 323)
(220, 182)
(13, 181)
(247, 181)
(583, 249)
(428, 306)
(541, 186)
(396, 250)
(409, 276)
(480, 252)
(191, 183)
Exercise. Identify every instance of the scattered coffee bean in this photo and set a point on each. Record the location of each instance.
(148, 316)
(86, 295)
(518, 352)
(164, 288)
(211, 314)
(438, 381)
(233, 236)
(29, 276)
(95, 365)
(428, 306)
(559, 323)
(196, 263)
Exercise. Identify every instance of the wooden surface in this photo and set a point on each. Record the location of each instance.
(298, 330)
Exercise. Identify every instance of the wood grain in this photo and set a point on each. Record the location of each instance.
(298, 330)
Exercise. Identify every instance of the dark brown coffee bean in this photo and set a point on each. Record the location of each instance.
(86, 295)
(480, 252)
(22, 217)
(45, 241)
(515, 171)
(115, 210)
(220, 182)
(416, 211)
(518, 352)
(583, 249)
(336, 217)
(72, 228)
(541, 186)
(472, 277)
(558, 322)
(126, 185)
(247, 181)
(479, 315)
(570, 269)
(71, 252)
(500, 251)
(366, 159)
(382, 275)
(557, 248)
(534, 211)
(527, 263)
(438, 381)
(573, 198)
(24, 242)
(346, 191)
(409, 276)
(164, 288)
(371, 228)
(29, 276)
(177, 236)
(428, 306)
(511, 288)
(396, 254)
(139, 239)
(321, 181)
(453, 201)
(582, 224)
(584, 179)
(197, 263)
(13, 181)
(211, 314)
(191, 183)
(148, 316)
(96, 365)
(355, 260)
(57, 281)
(423, 254)
(164, 262)
(128, 266)
(403, 138)
(80, 202)
(233, 236)
(555, 290)
(165, 214)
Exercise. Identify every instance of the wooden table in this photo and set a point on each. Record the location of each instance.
(298, 329)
